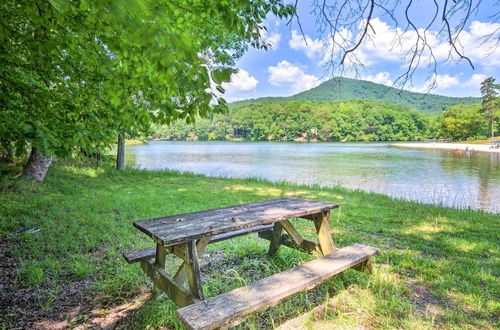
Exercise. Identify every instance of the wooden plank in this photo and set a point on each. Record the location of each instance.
(290, 229)
(231, 307)
(179, 250)
(257, 216)
(242, 232)
(322, 224)
(181, 275)
(155, 223)
(138, 255)
(307, 245)
(197, 228)
(275, 240)
(365, 267)
(185, 227)
(147, 253)
(160, 260)
(164, 282)
(193, 271)
(160, 256)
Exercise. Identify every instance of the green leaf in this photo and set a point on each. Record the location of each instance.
(61, 6)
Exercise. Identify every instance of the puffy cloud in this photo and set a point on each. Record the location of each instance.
(480, 43)
(445, 81)
(311, 49)
(437, 83)
(285, 73)
(475, 80)
(241, 81)
(379, 78)
(272, 39)
(389, 44)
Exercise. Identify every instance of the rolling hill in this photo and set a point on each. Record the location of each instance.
(346, 88)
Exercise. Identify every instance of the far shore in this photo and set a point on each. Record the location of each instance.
(448, 146)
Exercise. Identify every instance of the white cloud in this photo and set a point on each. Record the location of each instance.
(285, 73)
(272, 39)
(379, 78)
(480, 43)
(472, 43)
(475, 81)
(437, 83)
(311, 49)
(241, 81)
(445, 81)
(388, 44)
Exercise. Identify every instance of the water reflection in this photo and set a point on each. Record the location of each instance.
(428, 176)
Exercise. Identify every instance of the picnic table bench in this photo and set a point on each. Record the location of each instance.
(187, 235)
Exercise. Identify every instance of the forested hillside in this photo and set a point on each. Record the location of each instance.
(352, 120)
(347, 89)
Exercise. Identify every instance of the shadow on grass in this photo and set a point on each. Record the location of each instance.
(448, 257)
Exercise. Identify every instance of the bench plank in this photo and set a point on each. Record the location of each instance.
(138, 255)
(230, 308)
(147, 253)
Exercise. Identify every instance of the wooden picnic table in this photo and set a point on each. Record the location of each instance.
(187, 235)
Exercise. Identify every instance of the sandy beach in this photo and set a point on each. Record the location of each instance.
(448, 146)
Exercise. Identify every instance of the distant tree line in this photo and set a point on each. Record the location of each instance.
(342, 120)
(352, 120)
(474, 121)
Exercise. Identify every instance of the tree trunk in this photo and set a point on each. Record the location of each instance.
(120, 155)
(37, 165)
(492, 123)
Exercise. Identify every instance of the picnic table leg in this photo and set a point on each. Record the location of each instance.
(193, 271)
(322, 224)
(160, 259)
(365, 267)
(181, 275)
(275, 238)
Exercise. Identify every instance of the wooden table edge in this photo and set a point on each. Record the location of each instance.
(253, 224)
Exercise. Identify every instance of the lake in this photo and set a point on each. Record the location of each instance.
(427, 176)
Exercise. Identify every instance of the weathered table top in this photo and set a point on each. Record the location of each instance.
(186, 227)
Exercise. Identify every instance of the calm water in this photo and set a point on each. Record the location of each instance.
(428, 176)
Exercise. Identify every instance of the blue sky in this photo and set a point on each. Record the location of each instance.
(291, 66)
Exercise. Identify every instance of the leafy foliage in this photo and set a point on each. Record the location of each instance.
(462, 122)
(74, 72)
(346, 89)
(354, 120)
(491, 102)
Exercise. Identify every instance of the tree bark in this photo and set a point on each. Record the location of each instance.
(120, 154)
(37, 166)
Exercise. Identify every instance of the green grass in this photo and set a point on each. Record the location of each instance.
(487, 141)
(132, 142)
(438, 267)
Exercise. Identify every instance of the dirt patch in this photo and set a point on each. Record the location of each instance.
(21, 306)
(72, 306)
(425, 302)
(97, 317)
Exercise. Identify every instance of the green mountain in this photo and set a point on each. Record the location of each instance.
(346, 89)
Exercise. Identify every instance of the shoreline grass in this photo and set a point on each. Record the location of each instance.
(438, 267)
(133, 142)
(487, 141)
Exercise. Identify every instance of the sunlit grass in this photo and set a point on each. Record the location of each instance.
(438, 267)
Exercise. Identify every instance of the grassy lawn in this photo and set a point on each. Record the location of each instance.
(487, 141)
(61, 245)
